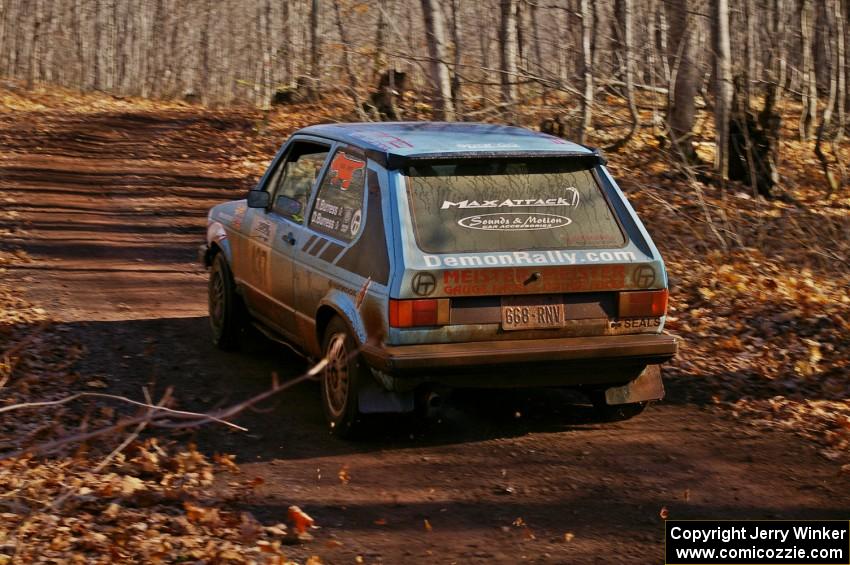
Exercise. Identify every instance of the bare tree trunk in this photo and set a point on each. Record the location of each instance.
(682, 111)
(508, 51)
(723, 88)
(535, 38)
(625, 12)
(286, 45)
(663, 48)
(346, 62)
(484, 45)
(809, 87)
(831, 48)
(267, 53)
(204, 39)
(562, 23)
(436, 35)
(778, 68)
(98, 47)
(586, 69)
(601, 41)
(752, 54)
(840, 69)
(458, 52)
(314, 49)
(32, 63)
(522, 56)
(379, 63)
(846, 15)
(652, 59)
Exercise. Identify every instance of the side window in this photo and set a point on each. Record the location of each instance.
(338, 211)
(292, 184)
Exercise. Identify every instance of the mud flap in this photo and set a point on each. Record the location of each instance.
(648, 386)
(374, 398)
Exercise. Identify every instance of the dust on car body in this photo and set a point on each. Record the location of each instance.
(421, 255)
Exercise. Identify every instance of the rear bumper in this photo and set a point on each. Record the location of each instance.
(602, 351)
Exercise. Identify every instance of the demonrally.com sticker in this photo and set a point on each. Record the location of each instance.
(506, 259)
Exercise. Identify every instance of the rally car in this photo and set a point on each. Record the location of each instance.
(420, 255)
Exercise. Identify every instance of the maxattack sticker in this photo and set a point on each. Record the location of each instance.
(514, 222)
(571, 198)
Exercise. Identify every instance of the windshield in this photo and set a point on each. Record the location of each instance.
(482, 206)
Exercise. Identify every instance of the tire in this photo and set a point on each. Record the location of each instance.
(226, 312)
(615, 412)
(341, 380)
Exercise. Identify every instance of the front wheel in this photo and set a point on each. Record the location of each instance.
(227, 316)
(341, 380)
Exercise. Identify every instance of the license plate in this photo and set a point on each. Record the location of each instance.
(532, 312)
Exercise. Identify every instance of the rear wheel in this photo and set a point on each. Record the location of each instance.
(227, 315)
(342, 379)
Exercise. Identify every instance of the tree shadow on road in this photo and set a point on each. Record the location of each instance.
(176, 352)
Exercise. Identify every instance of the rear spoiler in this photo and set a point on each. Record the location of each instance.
(395, 161)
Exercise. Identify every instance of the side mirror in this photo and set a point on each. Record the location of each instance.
(258, 199)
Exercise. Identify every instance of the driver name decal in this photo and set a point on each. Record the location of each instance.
(338, 208)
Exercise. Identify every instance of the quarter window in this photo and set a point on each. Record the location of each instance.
(338, 211)
(294, 181)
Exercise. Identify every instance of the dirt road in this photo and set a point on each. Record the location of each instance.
(110, 208)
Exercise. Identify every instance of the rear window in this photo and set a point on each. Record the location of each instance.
(468, 207)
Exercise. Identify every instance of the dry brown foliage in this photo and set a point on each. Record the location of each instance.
(759, 297)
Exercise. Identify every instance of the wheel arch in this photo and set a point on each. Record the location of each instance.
(217, 242)
(337, 303)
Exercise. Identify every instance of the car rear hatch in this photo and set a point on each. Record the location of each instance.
(520, 248)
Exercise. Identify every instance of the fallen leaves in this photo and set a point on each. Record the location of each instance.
(301, 521)
(343, 475)
(765, 339)
(147, 508)
(149, 503)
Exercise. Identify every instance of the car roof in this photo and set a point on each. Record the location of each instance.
(410, 140)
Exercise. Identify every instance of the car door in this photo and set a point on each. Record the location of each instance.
(274, 234)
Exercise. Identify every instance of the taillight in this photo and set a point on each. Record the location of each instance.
(420, 312)
(643, 303)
